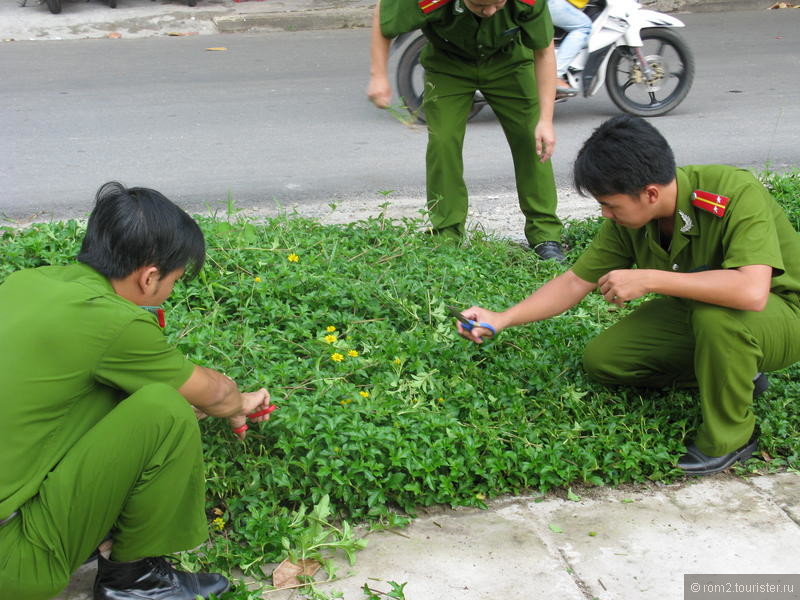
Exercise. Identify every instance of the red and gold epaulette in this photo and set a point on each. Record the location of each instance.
(428, 6)
(713, 203)
(529, 2)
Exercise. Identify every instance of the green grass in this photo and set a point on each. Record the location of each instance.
(419, 416)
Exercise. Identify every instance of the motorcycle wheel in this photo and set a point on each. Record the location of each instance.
(672, 63)
(54, 6)
(411, 81)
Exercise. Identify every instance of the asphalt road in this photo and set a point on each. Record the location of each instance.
(282, 118)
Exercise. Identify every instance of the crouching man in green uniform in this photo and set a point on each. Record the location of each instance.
(97, 423)
(724, 262)
(504, 48)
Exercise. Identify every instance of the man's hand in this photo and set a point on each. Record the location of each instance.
(480, 315)
(618, 287)
(545, 140)
(379, 91)
(252, 402)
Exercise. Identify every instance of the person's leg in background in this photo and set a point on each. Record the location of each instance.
(447, 101)
(508, 82)
(578, 27)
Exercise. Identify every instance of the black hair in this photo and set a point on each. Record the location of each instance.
(622, 156)
(136, 227)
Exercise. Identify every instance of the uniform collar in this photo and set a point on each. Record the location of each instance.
(685, 215)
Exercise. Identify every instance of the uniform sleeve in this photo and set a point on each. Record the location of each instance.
(609, 250)
(537, 27)
(400, 16)
(141, 355)
(751, 237)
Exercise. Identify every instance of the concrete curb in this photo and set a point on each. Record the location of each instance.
(139, 18)
(334, 18)
(350, 17)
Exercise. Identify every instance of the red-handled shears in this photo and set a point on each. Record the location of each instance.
(255, 415)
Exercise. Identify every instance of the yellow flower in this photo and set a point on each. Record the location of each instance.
(336, 357)
(364, 394)
(397, 361)
(218, 523)
(257, 279)
(293, 257)
(440, 399)
(346, 402)
(330, 329)
(352, 353)
(330, 338)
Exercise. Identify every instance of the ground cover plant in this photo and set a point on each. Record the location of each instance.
(383, 408)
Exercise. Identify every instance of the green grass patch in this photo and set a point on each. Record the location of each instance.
(383, 408)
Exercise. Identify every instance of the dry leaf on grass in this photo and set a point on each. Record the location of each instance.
(784, 5)
(285, 574)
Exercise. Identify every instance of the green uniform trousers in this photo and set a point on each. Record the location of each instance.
(508, 82)
(672, 341)
(138, 472)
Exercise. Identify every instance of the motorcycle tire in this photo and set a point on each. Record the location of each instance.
(112, 3)
(54, 6)
(671, 60)
(411, 82)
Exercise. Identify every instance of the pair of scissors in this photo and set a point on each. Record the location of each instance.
(468, 324)
(260, 413)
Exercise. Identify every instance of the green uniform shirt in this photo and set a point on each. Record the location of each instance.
(453, 28)
(70, 347)
(754, 230)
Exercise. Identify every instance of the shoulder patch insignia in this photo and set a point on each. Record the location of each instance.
(529, 2)
(713, 203)
(428, 6)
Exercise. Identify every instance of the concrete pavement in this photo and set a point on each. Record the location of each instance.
(632, 542)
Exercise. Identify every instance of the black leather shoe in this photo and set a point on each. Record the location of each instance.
(760, 384)
(550, 251)
(153, 579)
(695, 462)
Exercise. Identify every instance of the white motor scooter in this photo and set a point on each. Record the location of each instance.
(646, 66)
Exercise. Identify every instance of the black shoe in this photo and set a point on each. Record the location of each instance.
(695, 462)
(153, 579)
(760, 384)
(550, 251)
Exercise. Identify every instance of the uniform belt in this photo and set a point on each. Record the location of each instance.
(8, 518)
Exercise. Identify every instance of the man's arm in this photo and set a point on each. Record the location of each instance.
(379, 90)
(544, 61)
(553, 298)
(743, 288)
(217, 395)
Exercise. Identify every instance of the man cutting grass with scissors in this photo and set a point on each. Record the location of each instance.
(723, 262)
(96, 421)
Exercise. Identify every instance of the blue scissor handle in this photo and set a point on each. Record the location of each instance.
(468, 324)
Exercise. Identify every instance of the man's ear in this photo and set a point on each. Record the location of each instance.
(147, 278)
(653, 193)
